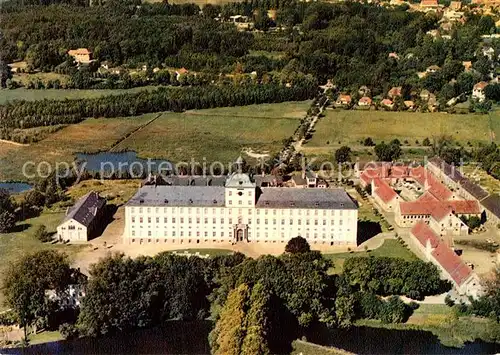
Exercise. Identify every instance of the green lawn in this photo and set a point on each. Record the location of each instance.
(14, 245)
(390, 248)
(305, 348)
(348, 127)
(218, 134)
(45, 337)
(32, 95)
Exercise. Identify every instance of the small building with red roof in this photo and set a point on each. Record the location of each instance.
(384, 195)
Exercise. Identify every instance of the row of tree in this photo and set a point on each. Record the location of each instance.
(27, 114)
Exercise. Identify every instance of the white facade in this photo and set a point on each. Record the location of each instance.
(72, 231)
(243, 213)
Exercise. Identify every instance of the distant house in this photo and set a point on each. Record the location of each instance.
(81, 55)
(467, 65)
(424, 95)
(488, 52)
(409, 104)
(393, 55)
(432, 69)
(427, 5)
(306, 179)
(365, 101)
(181, 71)
(478, 91)
(71, 297)
(344, 100)
(364, 91)
(395, 92)
(384, 195)
(83, 219)
(455, 5)
(387, 103)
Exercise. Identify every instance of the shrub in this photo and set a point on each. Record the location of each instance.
(42, 235)
(68, 331)
(448, 301)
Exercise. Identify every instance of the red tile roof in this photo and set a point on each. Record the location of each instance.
(427, 197)
(429, 3)
(452, 263)
(395, 91)
(439, 208)
(423, 232)
(481, 85)
(365, 100)
(384, 191)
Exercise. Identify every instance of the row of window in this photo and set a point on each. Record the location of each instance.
(221, 234)
(282, 222)
(265, 211)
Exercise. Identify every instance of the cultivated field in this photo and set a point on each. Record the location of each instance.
(61, 94)
(218, 134)
(343, 127)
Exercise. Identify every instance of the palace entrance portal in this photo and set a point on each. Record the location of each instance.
(240, 233)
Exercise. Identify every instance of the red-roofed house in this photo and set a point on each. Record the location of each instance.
(394, 92)
(429, 4)
(387, 103)
(365, 101)
(478, 91)
(343, 100)
(448, 262)
(384, 195)
(81, 55)
(181, 71)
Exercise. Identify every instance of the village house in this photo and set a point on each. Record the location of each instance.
(467, 65)
(432, 69)
(81, 55)
(451, 266)
(384, 195)
(424, 95)
(455, 5)
(364, 91)
(181, 71)
(343, 100)
(394, 92)
(387, 103)
(365, 101)
(429, 5)
(82, 220)
(409, 104)
(488, 52)
(478, 91)
(305, 179)
(393, 55)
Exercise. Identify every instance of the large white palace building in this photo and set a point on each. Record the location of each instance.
(240, 211)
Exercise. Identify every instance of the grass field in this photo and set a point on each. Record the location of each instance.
(390, 248)
(60, 94)
(14, 245)
(217, 134)
(349, 127)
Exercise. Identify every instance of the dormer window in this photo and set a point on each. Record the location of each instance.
(165, 201)
(214, 201)
(191, 200)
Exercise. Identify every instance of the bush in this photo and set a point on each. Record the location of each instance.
(448, 301)
(68, 331)
(8, 318)
(42, 235)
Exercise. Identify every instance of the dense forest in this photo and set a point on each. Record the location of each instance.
(347, 42)
(261, 304)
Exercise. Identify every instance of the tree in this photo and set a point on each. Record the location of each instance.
(5, 73)
(7, 216)
(343, 154)
(388, 152)
(257, 323)
(27, 281)
(368, 142)
(426, 142)
(228, 335)
(297, 245)
(35, 198)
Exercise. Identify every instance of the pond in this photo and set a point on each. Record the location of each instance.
(15, 187)
(179, 337)
(122, 162)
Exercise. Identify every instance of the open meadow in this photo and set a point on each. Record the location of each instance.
(349, 127)
(217, 134)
